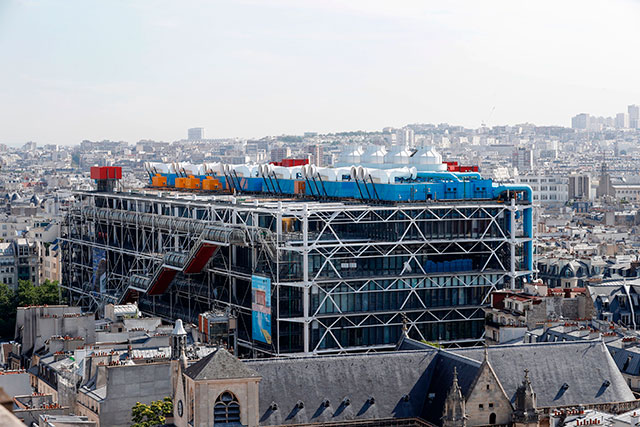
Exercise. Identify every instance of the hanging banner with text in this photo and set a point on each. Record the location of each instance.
(261, 308)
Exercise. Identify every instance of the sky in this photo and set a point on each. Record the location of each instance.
(149, 69)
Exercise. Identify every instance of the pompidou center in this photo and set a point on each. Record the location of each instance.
(309, 260)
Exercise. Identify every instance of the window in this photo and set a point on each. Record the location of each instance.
(490, 405)
(226, 409)
(481, 406)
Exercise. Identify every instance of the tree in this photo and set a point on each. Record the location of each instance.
(45, 294)
(7, 311)
(48, 293)
(26, 294)
(156, 414)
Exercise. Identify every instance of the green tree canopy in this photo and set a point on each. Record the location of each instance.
(48, 293)
(156, 414)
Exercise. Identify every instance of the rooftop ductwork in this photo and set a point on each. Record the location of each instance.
(427, 159)
(215, 168)
(374, 155)
(398, 155)
(351, 155)
(212, 233)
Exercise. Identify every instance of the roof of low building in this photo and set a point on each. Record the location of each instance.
(15, 383)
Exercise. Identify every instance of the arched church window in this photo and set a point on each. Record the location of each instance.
(492, 418)
(226, 409)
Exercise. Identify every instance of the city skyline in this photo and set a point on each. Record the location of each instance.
(132, 71)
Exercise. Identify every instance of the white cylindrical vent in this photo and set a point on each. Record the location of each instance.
(354, 172)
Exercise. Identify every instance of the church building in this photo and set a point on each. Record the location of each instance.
(417, 385)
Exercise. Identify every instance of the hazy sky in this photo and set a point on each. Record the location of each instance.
(73, 70)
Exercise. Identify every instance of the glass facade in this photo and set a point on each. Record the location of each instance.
(344, 275)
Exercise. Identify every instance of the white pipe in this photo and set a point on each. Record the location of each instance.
(191, 169)
(228, 168)
(378, 176)
(246, 171)
(353, 172)
(281, 172)
(326, 174)
(405, 173)
(312, 171)
(211, 168)
(296, 172)
(342, 172)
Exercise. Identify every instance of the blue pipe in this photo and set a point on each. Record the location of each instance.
(439, 175)
(527, 190)
(527, 219)
(527, 224)
(475, 175)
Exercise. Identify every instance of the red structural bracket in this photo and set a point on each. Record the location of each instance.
(162, 281)
(200, 259)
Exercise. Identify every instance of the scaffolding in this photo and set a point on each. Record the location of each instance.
(344, 275)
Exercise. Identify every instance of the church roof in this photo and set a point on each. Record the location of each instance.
(220, 365)
(398, 382)
(562, 373)
(414, 383)
(441, 381)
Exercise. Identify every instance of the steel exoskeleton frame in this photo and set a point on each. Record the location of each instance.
(346, 276)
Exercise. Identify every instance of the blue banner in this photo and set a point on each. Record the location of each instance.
(261, 308)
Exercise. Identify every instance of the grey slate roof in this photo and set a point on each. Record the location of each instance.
(626, 359)
(583, 365)
(219, 365)
(386, 377)
(442, 379)
(16, 384)
(413, 381)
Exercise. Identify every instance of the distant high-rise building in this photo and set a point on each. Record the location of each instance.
(604, 185)
(279, 153)
(316, 154)
(406, 137)
(579, 187)
(30, 146)
(634, 116)
(522, 159)
(195, 134)
(581, 121)
(622, 121)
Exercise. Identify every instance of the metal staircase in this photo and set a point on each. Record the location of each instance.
(210, 240)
